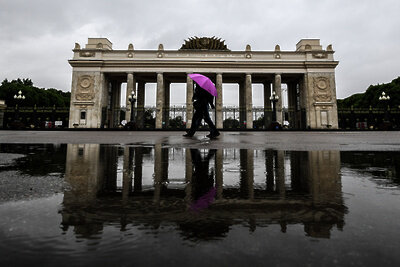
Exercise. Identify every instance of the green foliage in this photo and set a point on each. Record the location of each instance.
(33, 95)
(371, 96)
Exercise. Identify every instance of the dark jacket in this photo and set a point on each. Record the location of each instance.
(201, 98)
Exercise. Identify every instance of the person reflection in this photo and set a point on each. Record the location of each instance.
(199, 225)
(202, 180)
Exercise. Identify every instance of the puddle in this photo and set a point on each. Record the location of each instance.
(92, 204)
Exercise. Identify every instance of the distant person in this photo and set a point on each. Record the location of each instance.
(201, 101)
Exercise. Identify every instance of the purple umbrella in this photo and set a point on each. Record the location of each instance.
(205, 83)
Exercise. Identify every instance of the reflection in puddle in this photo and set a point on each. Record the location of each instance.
(129, 185)
(171, 206)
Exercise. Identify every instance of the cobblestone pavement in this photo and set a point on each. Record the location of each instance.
(282, 140)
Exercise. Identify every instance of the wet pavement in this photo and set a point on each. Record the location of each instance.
(280, 140)
(248, 198)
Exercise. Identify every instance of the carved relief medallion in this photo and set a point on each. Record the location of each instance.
(322, 92)
(85, 88)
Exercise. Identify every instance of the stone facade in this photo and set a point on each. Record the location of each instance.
(99, 71)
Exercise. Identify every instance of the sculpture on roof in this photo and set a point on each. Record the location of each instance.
(204, 43)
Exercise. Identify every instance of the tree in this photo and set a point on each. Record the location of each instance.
(33, 95)
(371, 96)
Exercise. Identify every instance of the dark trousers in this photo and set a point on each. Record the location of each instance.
(199, 114)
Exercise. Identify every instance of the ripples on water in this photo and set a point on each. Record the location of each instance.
(99, 204)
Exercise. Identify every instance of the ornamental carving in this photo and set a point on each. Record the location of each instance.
(204, 43)
(85, 88)
(322, 92)
(86, 54)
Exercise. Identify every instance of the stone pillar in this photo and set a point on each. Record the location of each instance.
(219, 175)
(86, 99)
(140, 104)
(167, 97)
(249, 101)
(160, 101)
(321, 100)
(292, 101)
(278, 91)
(189, 102)
(267, 105)
(115, 103)
(242, 105)
(218, 103)
(130, 86)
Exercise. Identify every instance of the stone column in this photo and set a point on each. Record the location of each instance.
(242, 105)
(140, 104)
(218, 103)
(219, 176)
(278, 91)
(160, 101)
(115, 103)
(166, 113)
(189, 102)
(267, 105)
(130, 86)
(249, 101)
(292, 99)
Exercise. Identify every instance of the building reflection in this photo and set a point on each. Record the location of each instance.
(202, 192)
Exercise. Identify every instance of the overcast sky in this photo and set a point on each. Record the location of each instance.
(36, 37)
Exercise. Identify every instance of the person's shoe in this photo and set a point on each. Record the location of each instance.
(188, 135)
(213, 135)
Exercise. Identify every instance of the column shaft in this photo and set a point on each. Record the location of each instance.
(278, 91)
(140, 104)
(249, 101)
(167, 105)
(218, 103)
(242, 105)
(267, 105)
(130, 86)
(160, 101)
(189, 101)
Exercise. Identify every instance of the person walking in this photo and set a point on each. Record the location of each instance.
(201, 102)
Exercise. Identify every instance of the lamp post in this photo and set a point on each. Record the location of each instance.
(274, 98)
(132, 98)
(18, 97)
(385, 99)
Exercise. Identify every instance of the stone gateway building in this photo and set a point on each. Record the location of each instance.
(308, 74)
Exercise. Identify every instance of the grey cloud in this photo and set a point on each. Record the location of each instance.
(37, 36)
